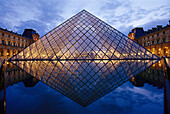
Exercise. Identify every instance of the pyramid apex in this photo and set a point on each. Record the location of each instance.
(83, 10)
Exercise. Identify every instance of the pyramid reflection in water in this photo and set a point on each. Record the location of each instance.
(84, 81)
(84, 58)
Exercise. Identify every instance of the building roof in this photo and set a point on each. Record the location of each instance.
(27, 33)
(153, 30)
(6, 30)
(139, 32)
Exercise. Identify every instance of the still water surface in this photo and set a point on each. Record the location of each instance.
(143, 93)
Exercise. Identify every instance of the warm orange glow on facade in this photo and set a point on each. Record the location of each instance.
(12, 43)
(156, 40)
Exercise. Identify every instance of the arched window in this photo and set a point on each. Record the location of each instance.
(14, 52)
(152, 42)
(7, 52)
(148, 43)
(1, 52)
(163, 40)
(165, 51)
(3, 42)
(9, 43)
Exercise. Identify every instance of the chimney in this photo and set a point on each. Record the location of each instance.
(153, 29)
(159, 27)
(149, 31)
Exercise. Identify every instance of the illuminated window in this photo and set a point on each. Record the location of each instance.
(159, 51)
(148, 43)
(1, 52)
(7, 52)
(165, 51)
(14, 52)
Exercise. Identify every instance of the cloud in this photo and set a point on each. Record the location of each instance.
(128, 99)
(122, 15)
(32, 24)
(17, 14)
(131, 17)
(14, 12)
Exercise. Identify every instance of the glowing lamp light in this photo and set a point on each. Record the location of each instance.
(133, 79)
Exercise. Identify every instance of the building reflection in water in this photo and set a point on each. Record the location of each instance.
(14, 75)
(84, 81)
(154, 75)
(158, 75)
(9, 75)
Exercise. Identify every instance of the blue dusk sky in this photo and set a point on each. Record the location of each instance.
(44, 15)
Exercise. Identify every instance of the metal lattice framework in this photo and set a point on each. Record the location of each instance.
(84, 81)
(83, 37)
(84, 58)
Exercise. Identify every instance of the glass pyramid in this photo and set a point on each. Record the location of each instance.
(84, 36)
(84, 58)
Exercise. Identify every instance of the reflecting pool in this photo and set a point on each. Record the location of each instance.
(92, 92)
